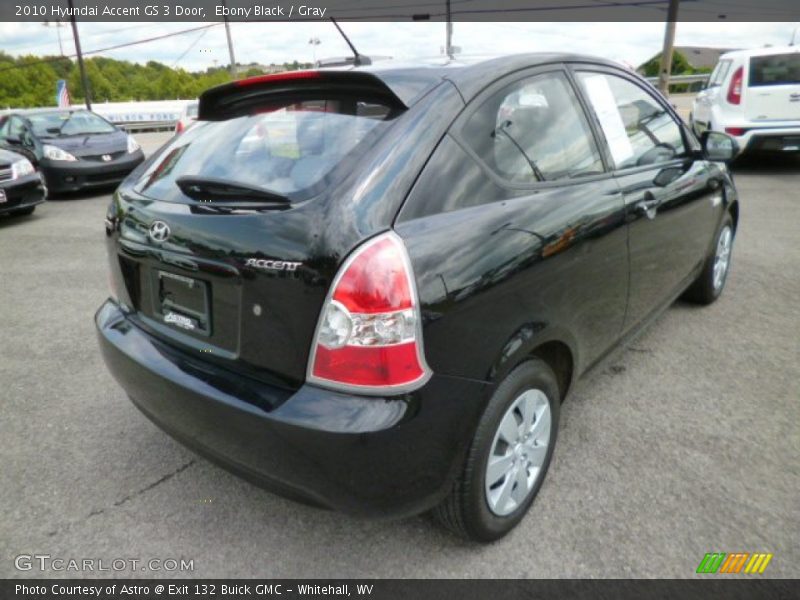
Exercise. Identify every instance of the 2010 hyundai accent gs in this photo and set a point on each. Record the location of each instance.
(373, 288)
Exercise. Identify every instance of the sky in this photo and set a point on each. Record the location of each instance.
(278, 42)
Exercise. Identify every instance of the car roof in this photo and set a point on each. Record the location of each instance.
(470, 74)
(765, 51)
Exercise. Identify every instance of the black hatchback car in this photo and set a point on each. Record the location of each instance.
(73, 148)
(373, 288)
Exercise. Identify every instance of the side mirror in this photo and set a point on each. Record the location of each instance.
(14, 140)
(719, 146)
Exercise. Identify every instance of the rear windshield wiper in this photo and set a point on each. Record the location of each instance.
(210, 189)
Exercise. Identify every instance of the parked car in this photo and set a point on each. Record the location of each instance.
(382, 311)
(754, 96)
(188, 117)
(21, 187)
(73, 148)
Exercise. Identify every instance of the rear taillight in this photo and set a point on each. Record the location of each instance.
(179, 127)
(735, 87)
(369, 336)
(737, 131)
(277, 77)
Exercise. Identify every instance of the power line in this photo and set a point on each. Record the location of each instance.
(192, 45)
(109, 48)
(21, 49)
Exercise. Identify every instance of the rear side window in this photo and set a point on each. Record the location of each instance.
(719, 73)
(286, 147)
(778, 69)
(637, 127)
(533, 130)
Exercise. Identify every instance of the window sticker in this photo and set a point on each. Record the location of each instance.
(605, 106)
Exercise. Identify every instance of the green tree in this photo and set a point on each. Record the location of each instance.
(680, 66)
(29, 81)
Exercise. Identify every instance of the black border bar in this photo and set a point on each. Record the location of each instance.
(785, 11)
(707, 588)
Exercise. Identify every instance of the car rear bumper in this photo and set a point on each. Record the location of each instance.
(379, 457)
(771, 139)
(22, 193)
(759, 137)
(69, 176)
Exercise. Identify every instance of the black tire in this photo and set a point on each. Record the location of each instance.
(466, 510)
(23, 211)
(703, 291)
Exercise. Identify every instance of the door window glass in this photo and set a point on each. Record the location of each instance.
(534, 130)
(638, 128)
(719, 73)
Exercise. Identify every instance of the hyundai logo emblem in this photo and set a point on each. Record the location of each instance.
(159, 231)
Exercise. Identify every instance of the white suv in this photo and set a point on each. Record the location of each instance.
(754, 96)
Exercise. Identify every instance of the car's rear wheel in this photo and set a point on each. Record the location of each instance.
(508, 458)
(711, 281)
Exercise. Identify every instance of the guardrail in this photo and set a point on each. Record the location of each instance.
(693, 82)
(142, 116)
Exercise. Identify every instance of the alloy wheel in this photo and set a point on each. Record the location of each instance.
(722, 257)
(518, 452)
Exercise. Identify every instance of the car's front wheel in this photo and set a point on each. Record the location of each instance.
(508, 458)
(709, 284)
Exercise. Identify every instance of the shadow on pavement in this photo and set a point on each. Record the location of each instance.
(763, 163)
(85, 193)
(10, 220)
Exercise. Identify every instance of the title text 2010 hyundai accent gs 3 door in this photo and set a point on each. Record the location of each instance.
(373, 288)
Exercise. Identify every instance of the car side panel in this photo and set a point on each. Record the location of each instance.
(670, 241)
(520, 268)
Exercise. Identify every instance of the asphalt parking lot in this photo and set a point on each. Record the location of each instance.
(684, 442)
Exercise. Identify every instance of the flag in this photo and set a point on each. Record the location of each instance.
(62, 94)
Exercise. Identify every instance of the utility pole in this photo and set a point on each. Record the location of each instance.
(448, 48)
(666, 52)
(314, 41)
(58, 25)
(234, 70)
(81, 67)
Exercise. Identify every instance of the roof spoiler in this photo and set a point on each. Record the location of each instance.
(245, 96)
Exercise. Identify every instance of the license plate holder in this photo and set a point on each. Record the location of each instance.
(183, 302)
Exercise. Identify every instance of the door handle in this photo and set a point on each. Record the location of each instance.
(648, 204)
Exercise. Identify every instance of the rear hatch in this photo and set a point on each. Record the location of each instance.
(215, 242)
(773, 92)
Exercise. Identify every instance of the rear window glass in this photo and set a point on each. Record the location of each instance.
(778, 69)
(286, 148)
(68, 123)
